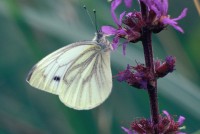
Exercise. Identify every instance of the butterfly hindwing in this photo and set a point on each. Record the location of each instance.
(92, 81)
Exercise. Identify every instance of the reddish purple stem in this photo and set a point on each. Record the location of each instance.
(152, 83)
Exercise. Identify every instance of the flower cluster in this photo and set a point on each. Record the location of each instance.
(130, 25)
(128, 28)
(163, 68)
(166, 125)
(138, 26)
(158, 15)
(135, 76)
(139, 75)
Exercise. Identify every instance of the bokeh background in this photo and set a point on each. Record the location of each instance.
(31, 29)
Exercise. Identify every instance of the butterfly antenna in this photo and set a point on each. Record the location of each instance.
(89, 16)
(95, 20)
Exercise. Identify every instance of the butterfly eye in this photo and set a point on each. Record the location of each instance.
(56, 78)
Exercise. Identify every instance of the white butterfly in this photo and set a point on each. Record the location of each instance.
(78, 73)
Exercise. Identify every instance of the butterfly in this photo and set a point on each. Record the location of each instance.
(79, 73)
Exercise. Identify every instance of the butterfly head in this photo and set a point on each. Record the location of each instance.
(100, 38)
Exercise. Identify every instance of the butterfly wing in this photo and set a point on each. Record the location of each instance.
(79, 73)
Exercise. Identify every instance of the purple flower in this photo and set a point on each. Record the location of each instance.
(172, 126)
(170, 61)
(130, 25)
(163, 68)
(133, 24)
(160, 8)
(166, 125)
(131, 31)
(116, 3)
(124, 75)
(119, 32)
(173, 22)
(134, 76)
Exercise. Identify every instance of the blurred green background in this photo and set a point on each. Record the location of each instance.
(31, 29)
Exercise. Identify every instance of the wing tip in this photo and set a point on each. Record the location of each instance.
(30, 74)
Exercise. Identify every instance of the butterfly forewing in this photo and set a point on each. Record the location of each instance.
(51, 69)
(79, 73)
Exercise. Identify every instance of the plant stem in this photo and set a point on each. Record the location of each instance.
(152, 83)
(144, 10)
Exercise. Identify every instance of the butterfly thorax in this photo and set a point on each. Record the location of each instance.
(101, 40)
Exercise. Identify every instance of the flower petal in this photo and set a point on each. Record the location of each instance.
(121, 17)
(182, 15)
(122, 32)
(128, 3)
(167, 114)
(108, 30)
(153, 5)
(156, 10)
(127, 130)
(114, 5)
(168, 21)
(124, 47)
(181, 120)
(173, 24)
(178, 28)
(165, 7)
(115, 42)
